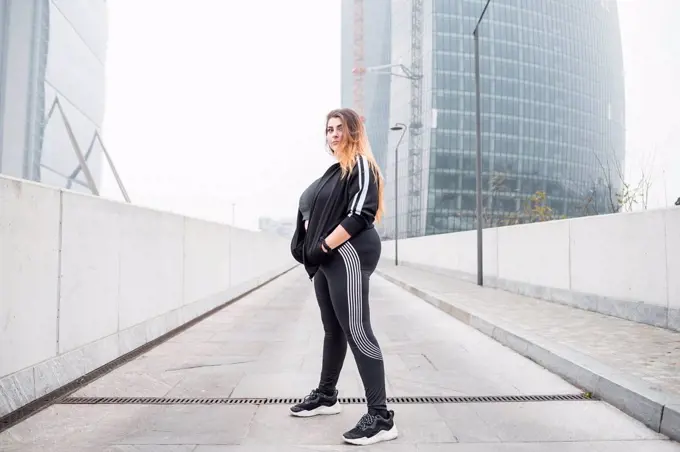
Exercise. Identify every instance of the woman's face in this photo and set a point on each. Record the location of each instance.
(334, 133)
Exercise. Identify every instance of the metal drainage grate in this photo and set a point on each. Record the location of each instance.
(492, 399)
(293, 400)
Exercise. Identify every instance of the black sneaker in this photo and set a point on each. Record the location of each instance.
(317, 403)
(372, 429)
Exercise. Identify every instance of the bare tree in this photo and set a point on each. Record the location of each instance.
(645, 182)
(589, 204)
(496, 186)
(618, 194)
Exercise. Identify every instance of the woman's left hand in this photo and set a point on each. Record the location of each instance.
(319, 255)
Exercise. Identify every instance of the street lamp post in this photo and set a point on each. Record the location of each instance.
(402, 127)
(480, 265)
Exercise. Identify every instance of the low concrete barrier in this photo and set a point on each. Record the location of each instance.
(624, 264)
(84, 280)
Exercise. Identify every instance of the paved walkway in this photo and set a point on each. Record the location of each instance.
(643, 351)
(268, 345)
(634, 366)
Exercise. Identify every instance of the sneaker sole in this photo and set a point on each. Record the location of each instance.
(383, 435)
(322, 410)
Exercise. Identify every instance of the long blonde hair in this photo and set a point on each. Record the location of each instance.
(355, 142)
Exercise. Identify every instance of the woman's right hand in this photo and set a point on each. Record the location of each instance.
(306, 224)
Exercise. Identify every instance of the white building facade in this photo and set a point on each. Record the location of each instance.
(52, 50)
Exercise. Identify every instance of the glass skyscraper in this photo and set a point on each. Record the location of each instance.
(552, 111)
(52, 49)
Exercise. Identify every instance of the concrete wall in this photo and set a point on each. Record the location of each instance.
(84, 280)
(627, 264)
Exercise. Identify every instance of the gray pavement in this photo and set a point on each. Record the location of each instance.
(269, 345)
(637, 349)
(634, 366)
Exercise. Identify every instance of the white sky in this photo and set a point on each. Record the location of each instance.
(214, 102)
(218, 101)
(651, 51)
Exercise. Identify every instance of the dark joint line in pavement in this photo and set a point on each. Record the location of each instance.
(201, 366)
(429, 361)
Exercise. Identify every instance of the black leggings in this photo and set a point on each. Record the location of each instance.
(341, 287)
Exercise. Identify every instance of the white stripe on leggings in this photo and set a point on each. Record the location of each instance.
(354, 302)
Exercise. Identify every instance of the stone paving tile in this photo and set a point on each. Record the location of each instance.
(70, 428)
(152, 448)
(585, 446)
(541, 422)
(644, 351)
(269, 344)
(193, 424)
(609, 446)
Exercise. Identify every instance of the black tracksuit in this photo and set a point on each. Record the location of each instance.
(341, 278)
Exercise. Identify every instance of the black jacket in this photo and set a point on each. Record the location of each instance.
(350, 201)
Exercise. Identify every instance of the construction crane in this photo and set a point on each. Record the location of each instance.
(416, 126)
(359, 58)
(413, 73)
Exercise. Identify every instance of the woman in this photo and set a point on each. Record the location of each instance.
(336, 241)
